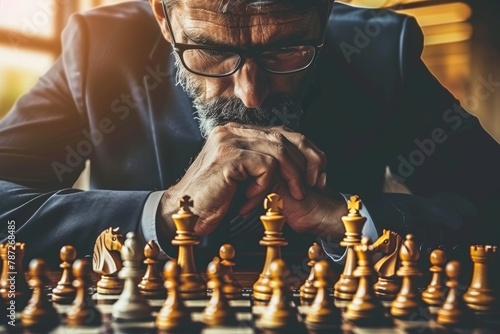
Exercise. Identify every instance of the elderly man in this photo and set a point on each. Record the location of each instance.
(227, 101)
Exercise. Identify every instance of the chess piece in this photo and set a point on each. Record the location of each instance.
(273, 222)
(479, 295)
(408, 299)
(307, 291)
(218, 312)
(151, 284)
(173, 314)
(64, 292)
(106, 261)
(365, 308)
(279, 314)
(131, 304)
(322, 311)
(192, 285)
(453, 312)
(83, 311)
(12, 271)
(346, 286)
(231, 287)
(433, 294)
(39, 314)
(388, 282)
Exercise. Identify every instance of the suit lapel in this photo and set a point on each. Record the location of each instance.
(174, 131)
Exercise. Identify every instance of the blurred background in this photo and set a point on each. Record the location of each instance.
(462, 45)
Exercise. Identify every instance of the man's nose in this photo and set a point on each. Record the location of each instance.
(251, 84)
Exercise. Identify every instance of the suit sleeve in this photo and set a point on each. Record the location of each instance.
(445, 157)
(42, 153)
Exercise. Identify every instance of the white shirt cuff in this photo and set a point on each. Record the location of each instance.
(148, 220)
(338, 253)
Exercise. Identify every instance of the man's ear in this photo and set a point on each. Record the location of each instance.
(156, 6)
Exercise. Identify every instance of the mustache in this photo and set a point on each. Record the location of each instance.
(278, 109)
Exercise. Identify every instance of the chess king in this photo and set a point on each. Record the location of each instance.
(227, 101)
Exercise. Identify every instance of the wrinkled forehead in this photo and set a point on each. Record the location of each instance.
(197, 16)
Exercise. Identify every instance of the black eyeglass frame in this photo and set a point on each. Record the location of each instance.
(180, 48)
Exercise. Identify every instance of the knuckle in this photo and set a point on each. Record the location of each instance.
(225, 150)
(269, 161)
(322, 156)
(219, 130)
(302, 140)
(279, 136)
(281, 150)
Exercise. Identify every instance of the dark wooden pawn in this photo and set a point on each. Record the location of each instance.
(39, 314)
(323, 310)
(151, 285)
(433, 294)
(232, 288)
(454, 311)
(83, 311)
(279, 314)
(308, 290)
(64, 292)
(173, 315)
(218, 312)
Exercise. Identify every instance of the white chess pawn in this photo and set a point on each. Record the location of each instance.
(131, 305)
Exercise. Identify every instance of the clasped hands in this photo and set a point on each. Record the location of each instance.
(269, 159)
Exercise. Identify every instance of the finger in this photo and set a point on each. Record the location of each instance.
(257, 137)
(257, 165)
(291, 162)
(315, 158)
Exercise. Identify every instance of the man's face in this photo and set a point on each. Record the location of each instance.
(251, 95)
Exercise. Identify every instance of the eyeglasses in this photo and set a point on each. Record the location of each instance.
(212, 61)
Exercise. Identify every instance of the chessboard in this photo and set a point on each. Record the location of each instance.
(125, 288)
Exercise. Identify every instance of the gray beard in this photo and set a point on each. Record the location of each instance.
(278, 109)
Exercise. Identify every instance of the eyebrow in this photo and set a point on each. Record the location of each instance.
(207, 40)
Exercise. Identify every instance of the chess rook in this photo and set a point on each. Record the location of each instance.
(346, 286)
(273, 221)
(480, 296)
(192, 285)
(22, 291)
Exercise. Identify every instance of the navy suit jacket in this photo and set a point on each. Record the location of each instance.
(111, 97)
